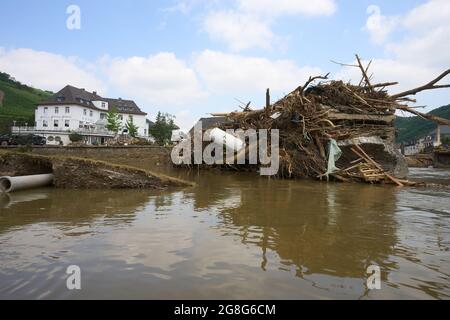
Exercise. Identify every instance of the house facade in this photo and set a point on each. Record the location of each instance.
(427, 143)
(77, 110)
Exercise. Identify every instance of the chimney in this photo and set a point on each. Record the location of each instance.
(438, 136)
(95, 93)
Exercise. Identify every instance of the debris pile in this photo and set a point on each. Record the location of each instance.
(312, 116)
(126, 140)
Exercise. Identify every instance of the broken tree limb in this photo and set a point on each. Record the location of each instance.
(425, 115)
(385, 84)
(310, 80)
(364, 72)
(429, 86)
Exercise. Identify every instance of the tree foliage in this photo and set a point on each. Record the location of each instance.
(113, 121)
(131, 127)
(163, 127)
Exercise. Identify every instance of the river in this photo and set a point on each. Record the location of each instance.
(233, 236)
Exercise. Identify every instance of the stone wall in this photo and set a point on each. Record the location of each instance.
(145, 157)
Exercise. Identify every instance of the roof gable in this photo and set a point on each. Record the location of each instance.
(72, 95)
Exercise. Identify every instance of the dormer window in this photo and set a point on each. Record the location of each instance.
(103, 105)
(60, 99)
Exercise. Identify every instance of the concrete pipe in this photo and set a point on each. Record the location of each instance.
(10, 184)
(221, 137)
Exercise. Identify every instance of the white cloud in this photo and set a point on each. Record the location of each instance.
(239, 30)
(160, 80)
(378, 25)
(288, 7)
(431, 48)
(434, 13)
(388, 70)
(248, 24)
(225, 73)
(48, 71)
(419, 55)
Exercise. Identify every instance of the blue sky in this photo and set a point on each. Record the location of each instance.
(190, 57)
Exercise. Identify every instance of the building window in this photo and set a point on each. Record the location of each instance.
(85, 112)
(45, 110)
(67, 123)
(145, 132)
(45, 123)
(103, 105)
(56, 110)
(120, 117)
(56, 123)
(67, 109)
(130, 117)
(91, 113)
(102, 116)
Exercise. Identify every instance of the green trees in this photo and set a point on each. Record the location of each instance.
(75, 137)
(131, 127)
(113, 121)
(162, 129)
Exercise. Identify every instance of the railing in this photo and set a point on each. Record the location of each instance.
(61, 130)
(86, 131)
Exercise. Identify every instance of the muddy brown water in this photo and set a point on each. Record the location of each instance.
(230, 237)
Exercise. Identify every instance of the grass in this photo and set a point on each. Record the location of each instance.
(19, 103)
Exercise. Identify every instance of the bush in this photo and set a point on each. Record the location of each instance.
(75, 137)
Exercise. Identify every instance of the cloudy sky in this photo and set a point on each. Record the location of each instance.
(191, 57)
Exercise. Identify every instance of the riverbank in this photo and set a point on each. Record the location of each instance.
(438, 159)
(155, 156)
(82, 173)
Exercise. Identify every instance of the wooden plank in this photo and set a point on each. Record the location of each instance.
(363, 117)
(365, 155)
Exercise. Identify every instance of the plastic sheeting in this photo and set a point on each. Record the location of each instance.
(334, 153)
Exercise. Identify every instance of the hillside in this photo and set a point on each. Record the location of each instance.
(17, 102)
(411, 128)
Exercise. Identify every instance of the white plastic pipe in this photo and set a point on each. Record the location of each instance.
(10, 184)
(221, 137)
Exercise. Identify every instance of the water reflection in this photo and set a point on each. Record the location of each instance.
(233, 236)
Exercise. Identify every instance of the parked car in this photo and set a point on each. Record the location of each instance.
(21, 140)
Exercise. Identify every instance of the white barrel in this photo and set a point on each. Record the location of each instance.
(10, 184)
(221, 137)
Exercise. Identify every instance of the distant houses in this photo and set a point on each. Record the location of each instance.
(74, 110)
(426, 143)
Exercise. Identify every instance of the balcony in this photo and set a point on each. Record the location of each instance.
(103, 132)
(82, 131)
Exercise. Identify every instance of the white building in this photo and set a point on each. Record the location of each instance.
(76, 110)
